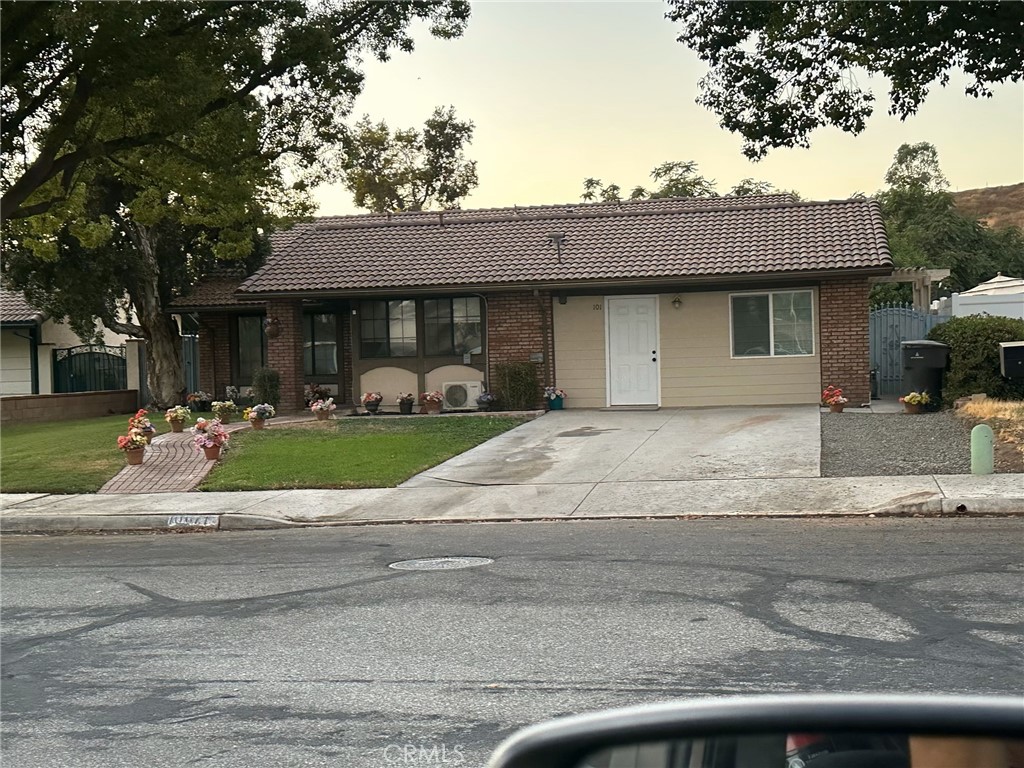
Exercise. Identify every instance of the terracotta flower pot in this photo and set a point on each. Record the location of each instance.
(258, 423)
(225, 419)
(322, 415)
(135, 455)
(212, 452)
(149, 436)
(177, 426)
(836, 407)
(431, 407)
(911, 407)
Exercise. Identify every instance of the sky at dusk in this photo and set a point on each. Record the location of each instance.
(559, 91)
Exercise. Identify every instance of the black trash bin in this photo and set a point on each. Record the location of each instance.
(924, 365)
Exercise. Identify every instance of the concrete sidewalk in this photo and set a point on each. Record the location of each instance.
(783, 497)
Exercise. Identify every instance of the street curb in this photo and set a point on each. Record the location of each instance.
(36, 524)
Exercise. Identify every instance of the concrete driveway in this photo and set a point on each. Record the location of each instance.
(591, 446)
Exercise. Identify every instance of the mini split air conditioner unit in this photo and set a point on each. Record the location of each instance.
(461, 394)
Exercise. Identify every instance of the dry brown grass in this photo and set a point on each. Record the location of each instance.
(1006, 417)
(996, 206)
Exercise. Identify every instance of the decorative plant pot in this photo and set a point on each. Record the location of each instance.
(371, 407)
(431, 407)
(134, 456)
(911, 407)
(258, 423)
(405, 407)
(177, 426)
(556, 404)
(322, 415)
(149, 436)
(836, 407)
(212, 452)
(225, 419)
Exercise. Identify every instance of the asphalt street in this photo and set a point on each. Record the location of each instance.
(303, 648)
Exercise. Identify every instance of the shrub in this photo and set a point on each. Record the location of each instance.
(266, 386)
(516, 385)
(974, 356)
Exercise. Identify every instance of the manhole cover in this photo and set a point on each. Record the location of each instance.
(440, 563)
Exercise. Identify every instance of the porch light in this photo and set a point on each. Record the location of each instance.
(677, 302)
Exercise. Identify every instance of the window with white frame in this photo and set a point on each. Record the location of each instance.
(772, 324)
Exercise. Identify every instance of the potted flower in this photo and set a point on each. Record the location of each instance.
(486, 401)
(322, 408)
(315, 392)
(431, 401)
(141, 422)
(176, 416)
(555, 397)
(210, 436)
(371, 401)
(134, 446)
(833, 398)
(405, 402)
(258, 414)
(223, 409)
(914, 402)
(199, 400)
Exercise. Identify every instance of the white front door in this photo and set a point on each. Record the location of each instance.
(633, 350)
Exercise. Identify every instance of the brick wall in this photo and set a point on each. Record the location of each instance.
(519, 324)
(18, 409)
(284, 352)
(214, 354)
(843, 324)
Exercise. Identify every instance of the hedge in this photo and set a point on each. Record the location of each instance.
(974, 356)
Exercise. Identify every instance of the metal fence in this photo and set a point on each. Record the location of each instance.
(89, 368)
(889, 326)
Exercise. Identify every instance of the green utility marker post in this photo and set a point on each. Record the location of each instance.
(982, 450)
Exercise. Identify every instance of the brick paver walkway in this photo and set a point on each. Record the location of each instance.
(172, 464)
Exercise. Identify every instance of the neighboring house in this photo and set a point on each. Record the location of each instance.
(674, 302)
(27, 341)
(1002, 296)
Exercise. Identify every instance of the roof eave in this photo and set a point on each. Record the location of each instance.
(554, 285)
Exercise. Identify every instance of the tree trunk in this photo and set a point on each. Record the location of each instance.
(165, 375)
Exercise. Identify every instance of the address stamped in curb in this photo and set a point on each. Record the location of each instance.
(193, 521)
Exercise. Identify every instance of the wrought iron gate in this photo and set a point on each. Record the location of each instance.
(890, 325)
(89, 368)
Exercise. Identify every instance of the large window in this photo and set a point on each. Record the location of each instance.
(772, 324)
(387, 329)
(252, 347)
(452, 326)
(320, 344)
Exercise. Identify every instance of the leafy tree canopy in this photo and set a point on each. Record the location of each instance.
(925, 228)
(84, 84)
(675, 179)
(410, 170)
(780, 70)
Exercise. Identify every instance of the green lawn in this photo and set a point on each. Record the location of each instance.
(347, 453)
(64, 456)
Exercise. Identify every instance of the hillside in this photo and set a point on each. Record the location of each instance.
(996, 206)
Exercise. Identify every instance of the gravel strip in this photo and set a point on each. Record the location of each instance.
(864, 444)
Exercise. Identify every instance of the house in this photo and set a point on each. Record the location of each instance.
(1002, 296)
(672, 302)
(28, 340)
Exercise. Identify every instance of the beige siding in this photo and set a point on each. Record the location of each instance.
(697, 368)
(449, 374)
(389, 382)
(15, 364)
(580, 352)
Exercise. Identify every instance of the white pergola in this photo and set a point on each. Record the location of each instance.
(921, 280)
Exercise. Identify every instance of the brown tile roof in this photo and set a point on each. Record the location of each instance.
(14, 308)
(216, 290)
(672, 239)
